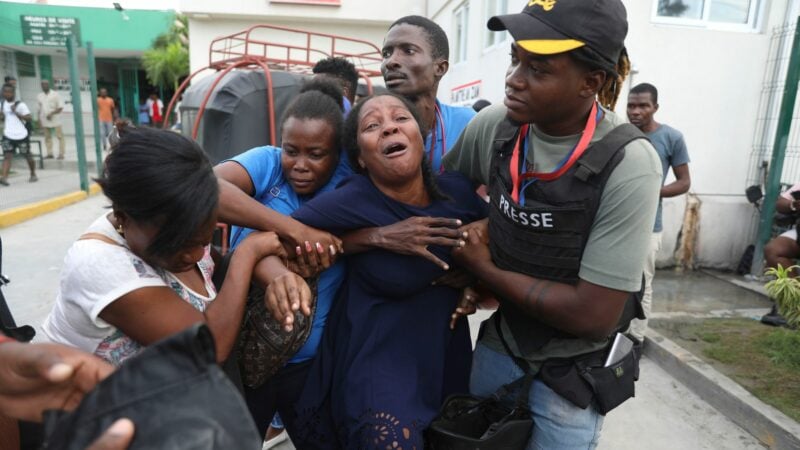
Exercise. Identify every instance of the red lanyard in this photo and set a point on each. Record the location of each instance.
(440, 122)
(580, 148)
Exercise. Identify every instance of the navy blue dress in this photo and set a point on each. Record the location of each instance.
(388, 358)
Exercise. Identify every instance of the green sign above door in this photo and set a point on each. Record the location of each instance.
(49, 31)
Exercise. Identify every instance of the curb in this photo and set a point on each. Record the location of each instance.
(20, 214)
(770, 426)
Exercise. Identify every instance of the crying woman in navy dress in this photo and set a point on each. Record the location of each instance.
(388, 358)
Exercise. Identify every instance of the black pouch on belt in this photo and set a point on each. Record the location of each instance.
(583, 379)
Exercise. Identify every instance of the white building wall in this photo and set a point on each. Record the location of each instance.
(709, 85)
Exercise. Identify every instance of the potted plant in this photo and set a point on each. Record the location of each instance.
(785, 290)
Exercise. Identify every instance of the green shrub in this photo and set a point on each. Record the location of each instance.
(785, 290)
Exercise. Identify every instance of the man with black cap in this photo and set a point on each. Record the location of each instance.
(573, 193)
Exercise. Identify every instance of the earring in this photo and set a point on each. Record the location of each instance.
(119, 229)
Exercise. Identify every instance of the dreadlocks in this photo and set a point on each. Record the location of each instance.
(615, 75)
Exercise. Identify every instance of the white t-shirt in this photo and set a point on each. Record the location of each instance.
(97, 273)
(14, 128)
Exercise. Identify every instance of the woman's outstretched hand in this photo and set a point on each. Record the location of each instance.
(286, 294)
(412, 236)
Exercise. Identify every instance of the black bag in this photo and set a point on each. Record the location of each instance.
(175, 394)
(466, 422)
(8, 326)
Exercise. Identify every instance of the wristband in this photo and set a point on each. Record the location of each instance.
(4, 339)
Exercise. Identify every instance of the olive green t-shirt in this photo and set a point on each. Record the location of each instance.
(620, 236)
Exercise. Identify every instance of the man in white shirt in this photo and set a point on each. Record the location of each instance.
(50, 108)
(15, 114)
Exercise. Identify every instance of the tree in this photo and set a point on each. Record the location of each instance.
(167, 61)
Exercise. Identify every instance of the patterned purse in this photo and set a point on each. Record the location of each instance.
(264, 346)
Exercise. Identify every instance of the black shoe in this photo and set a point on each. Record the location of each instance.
(773, 318)
(48, 157)
(3, 181)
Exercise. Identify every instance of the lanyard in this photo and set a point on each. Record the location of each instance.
(431, 150)
(518, 192)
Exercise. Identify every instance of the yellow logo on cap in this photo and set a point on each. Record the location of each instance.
(546, 5)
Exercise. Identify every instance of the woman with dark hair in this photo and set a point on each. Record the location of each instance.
(143, 271)
(388, 358)
(275, 180)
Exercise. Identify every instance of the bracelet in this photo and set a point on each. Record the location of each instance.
(791, 206)
(4, 339)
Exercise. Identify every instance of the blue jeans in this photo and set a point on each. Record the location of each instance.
(558, 424)
(105, 129)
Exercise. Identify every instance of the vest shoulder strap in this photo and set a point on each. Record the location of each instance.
(505, 132)
(601, 152)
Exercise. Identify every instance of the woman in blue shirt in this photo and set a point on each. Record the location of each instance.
(283, 179)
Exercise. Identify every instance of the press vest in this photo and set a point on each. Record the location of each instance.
(545, 237)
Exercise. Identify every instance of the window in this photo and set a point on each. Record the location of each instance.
(26, 67)
(720, 14)
(461, 18)
(495, 8)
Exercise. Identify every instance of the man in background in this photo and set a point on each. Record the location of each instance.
(344, 73)
(106, 110)
(671, 149)
(415, 59)
(16, 135)
(50, 108)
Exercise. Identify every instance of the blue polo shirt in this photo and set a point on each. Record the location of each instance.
(273, 190)
(454, 120)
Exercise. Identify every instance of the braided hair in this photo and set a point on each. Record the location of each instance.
(615, 72)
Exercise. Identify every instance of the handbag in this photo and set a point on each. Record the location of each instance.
(467, 422)
(264, 345)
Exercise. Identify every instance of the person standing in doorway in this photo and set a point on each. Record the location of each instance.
(16, 135)
(106, 111)
(671, 149)
(50, 108)
(156, 110)
(144, 113)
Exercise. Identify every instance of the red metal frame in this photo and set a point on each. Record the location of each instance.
(279, 52)
(243, 51)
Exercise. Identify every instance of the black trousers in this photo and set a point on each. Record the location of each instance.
(278, 394)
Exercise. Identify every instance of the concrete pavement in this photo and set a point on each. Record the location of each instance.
(664, 414)
(58, 177)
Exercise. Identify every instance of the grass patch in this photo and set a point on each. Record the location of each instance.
(763, 359)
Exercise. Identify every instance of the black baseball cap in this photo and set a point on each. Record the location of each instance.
(549, 27)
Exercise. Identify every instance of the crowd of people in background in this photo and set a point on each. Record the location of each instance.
(372, 231)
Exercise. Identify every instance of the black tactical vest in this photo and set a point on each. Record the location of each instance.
(545, 238)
